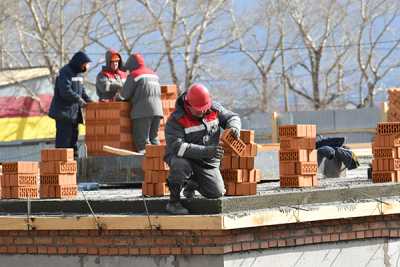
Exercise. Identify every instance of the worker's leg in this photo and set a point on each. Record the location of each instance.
(63, 134)
(74, 139)
(141, 128)
(180, 170)
(154, 126)
(210, 181)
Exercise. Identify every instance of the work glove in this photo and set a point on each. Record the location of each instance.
(214, 152)
(82, 103)
(235, 132)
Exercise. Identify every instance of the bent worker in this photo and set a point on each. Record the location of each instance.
(111, 78)
(69, 97)
(193, 152)
(335, 156)
(142, 89)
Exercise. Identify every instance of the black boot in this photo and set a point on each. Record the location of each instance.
(174, 205)
(189, 189)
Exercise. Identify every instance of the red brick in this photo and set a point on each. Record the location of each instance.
(17, 179)
(20, 167)
(58, 167)
(58, 179)
(237, 146)
(247, 136)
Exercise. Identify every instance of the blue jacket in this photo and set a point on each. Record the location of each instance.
(69, 91)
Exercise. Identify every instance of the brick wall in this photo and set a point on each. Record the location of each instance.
(173, 242)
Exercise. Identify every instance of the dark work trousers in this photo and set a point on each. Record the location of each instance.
(210, 183)
(67, 135)
(145, 131)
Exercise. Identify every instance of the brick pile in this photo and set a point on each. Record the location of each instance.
(108, 123)
(169, 94)
(394, 105)
(237, 165)
(20, 180)
(386, 153)
(155, 171)
(297, 156)
(58, 173)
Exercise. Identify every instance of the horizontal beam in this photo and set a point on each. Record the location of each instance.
(275, 216)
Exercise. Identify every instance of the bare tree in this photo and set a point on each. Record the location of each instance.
(259, 39)
(189, 30)
(376, 44)
(319, 28)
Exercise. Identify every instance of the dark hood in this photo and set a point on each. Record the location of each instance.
(77, 61)
(108, 59)
(135, 61)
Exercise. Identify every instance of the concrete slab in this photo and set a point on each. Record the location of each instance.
(269, 195)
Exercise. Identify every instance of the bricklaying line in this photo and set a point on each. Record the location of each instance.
(148, 214)
(98, 224)
(28, 214)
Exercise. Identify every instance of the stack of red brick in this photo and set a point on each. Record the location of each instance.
(297, 156)
(155, 171)
(58, 173)
(20, 179)
(386, 153)
(169, 94)
(237, 165)
(394, 105)
(108, 123)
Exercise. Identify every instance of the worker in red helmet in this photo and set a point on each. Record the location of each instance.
(193, 152)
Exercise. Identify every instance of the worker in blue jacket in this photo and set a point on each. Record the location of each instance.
(68, 100)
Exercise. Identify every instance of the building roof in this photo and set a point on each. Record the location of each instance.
(12, 76)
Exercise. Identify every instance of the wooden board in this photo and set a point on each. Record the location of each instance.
(120, 152)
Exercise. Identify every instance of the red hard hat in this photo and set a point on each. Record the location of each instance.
(198, 97)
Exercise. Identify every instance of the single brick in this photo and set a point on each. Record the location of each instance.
(247, 136)
(14, 179)
(297, 155)
(58, 179)
(385, 176)
(236, 145)
(57, 154)
(161, 189)
(297, 143)
(386, 128)
(24, 192)
(58, 167)
(386, 152)
(226, 162)
(230, 189)
(232, 176)
(27, 167)
(297, 181)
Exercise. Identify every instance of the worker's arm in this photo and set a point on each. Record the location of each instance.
(228, 119)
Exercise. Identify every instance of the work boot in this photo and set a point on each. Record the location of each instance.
(189, 189)
(176, 208)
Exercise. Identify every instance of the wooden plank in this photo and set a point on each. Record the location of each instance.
(119, 151)
(282, 215)
(113, 222)
(309, 213)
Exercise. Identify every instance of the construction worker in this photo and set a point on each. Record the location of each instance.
(193, 152)
(111, 78)
(142, 89)
(69, 97)
(334, 157)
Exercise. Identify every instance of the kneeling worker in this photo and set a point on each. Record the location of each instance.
(193, 152)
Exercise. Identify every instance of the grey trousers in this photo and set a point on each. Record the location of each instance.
(210, 183)
(145, 131)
